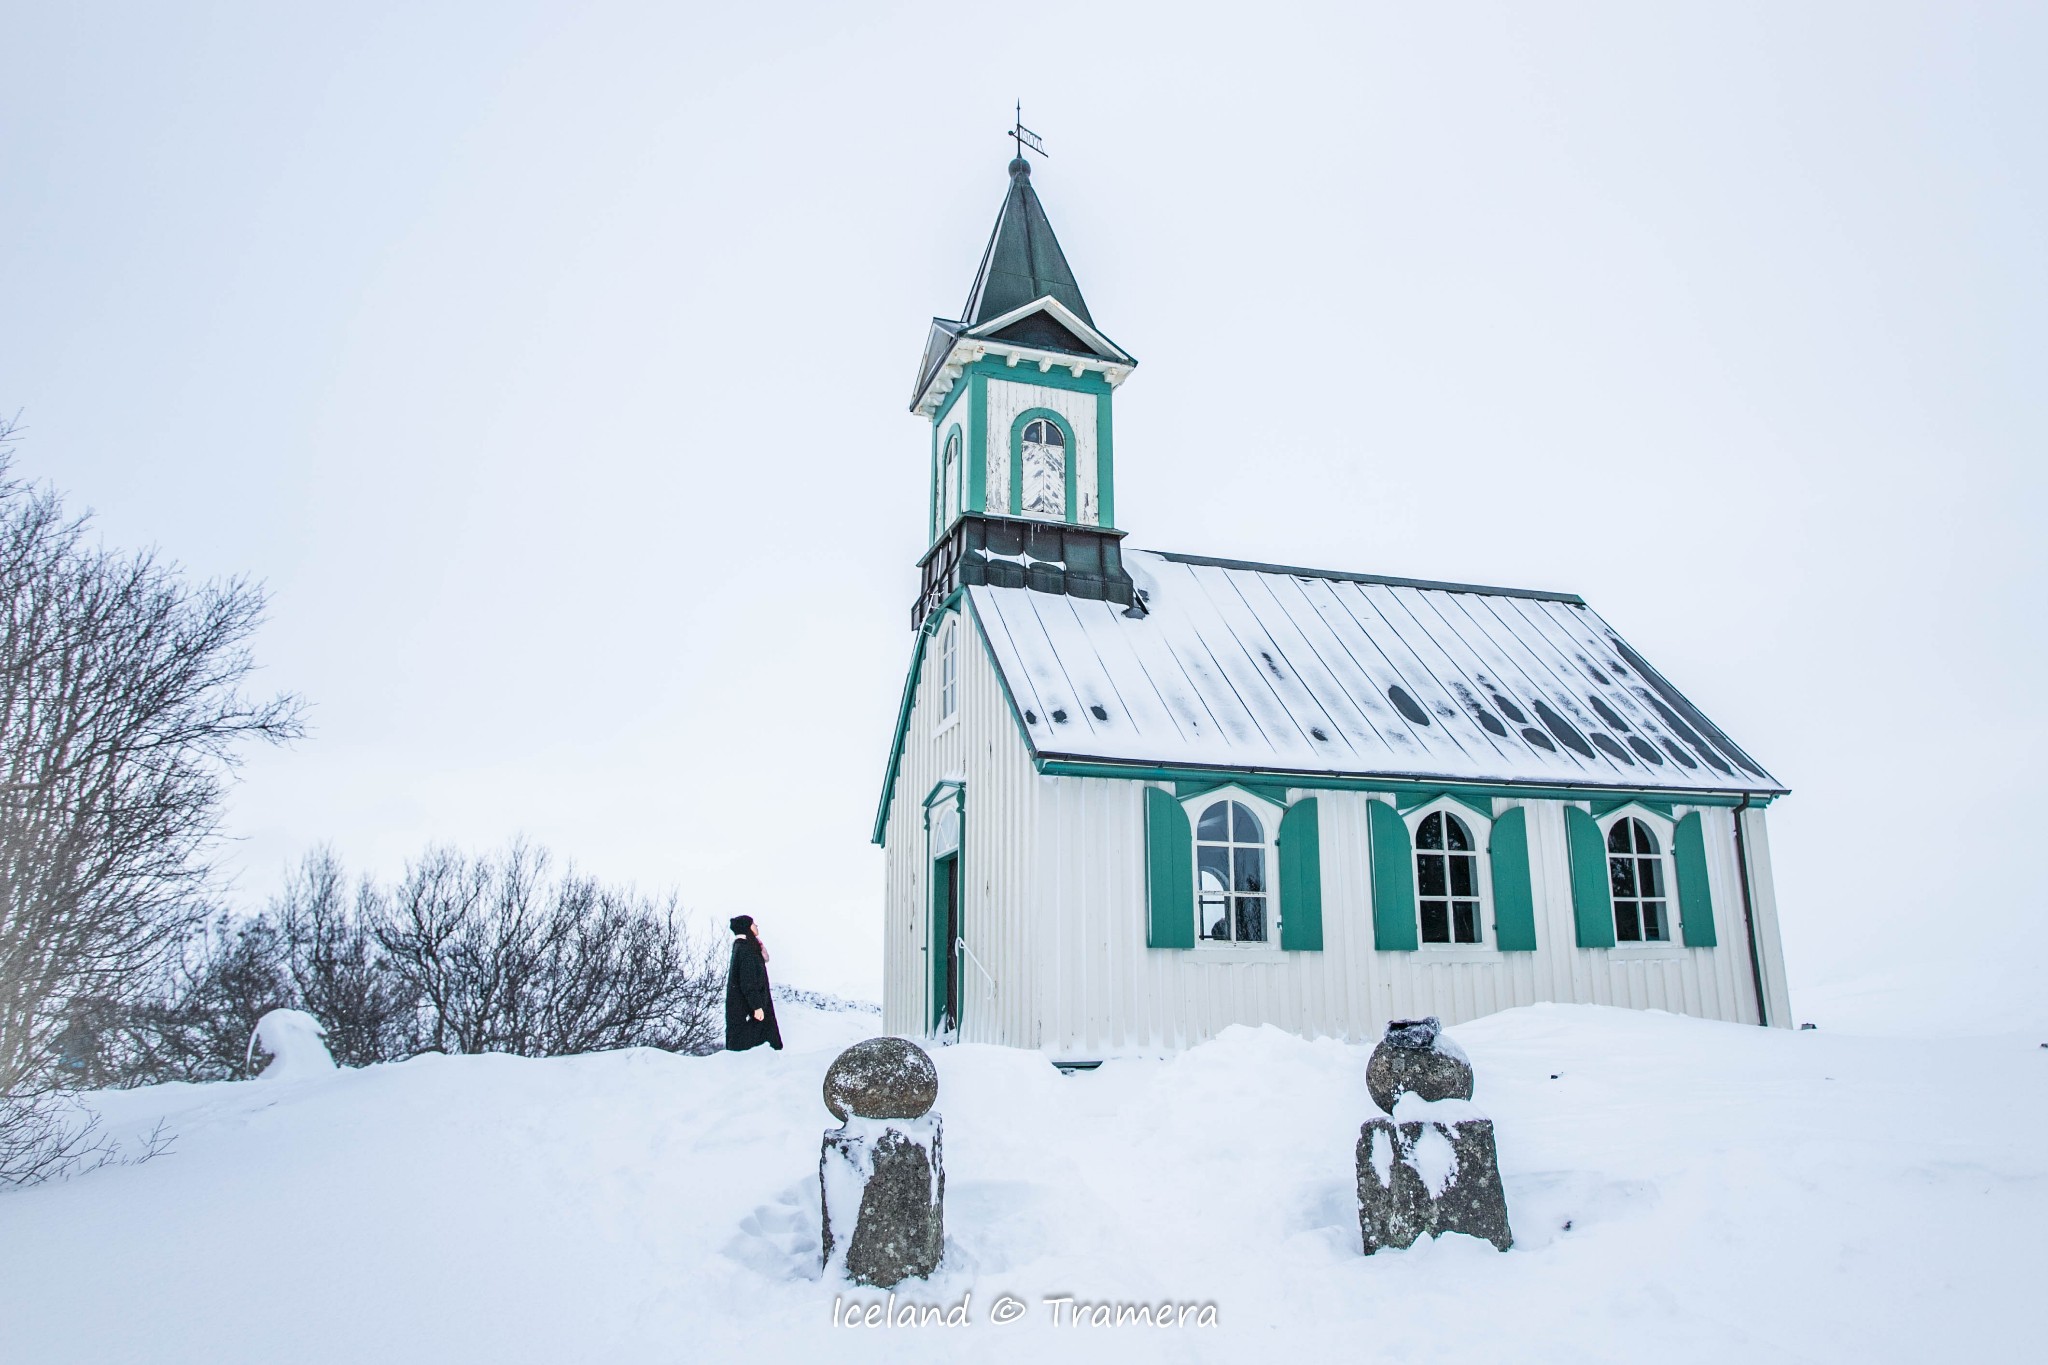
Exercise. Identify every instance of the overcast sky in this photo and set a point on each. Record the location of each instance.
(549, 363)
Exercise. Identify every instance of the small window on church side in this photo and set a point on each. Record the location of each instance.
(1635, 869)
(949, 672)
(1447, 879)
(949, 480)
(1230, 874)
(1044, 455)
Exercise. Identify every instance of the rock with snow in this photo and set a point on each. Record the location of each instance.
(882, 1185)
(882, 1078)
(1426, 1176)
(1416, 1057)
(296, 1043)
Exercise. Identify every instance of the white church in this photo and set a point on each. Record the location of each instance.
(1134, 796)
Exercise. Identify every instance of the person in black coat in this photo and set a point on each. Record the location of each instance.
(749, 1007)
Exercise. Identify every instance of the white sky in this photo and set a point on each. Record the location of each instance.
(549, 364)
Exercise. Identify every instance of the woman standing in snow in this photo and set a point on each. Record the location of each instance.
(749, 1007)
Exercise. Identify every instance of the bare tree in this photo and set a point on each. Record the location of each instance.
(339, 973)
(122, 707)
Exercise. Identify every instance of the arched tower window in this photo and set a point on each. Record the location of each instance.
(1447, 879)
(949, 672)
(1635, 870)
(950, 469)
(1231, 888)
(1043, 451)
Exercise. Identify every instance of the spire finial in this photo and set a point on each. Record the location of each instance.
(1026, 140)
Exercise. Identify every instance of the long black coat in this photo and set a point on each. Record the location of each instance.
(746, 990)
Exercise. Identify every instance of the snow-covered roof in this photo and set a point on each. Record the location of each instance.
(1273, 669)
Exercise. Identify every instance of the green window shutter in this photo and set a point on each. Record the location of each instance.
(1592, 901)
(1514, 905)
(1393, 881)
(1301, 879)
(1169, 872)
(1695, 901)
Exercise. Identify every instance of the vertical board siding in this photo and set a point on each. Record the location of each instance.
(1053, 902)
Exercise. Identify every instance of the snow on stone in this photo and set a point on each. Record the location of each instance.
(1685, 1192)
(296, 1043)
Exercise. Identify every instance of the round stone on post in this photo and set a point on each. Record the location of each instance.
(882, 1172)
(1416, 1057)
(882, 1078)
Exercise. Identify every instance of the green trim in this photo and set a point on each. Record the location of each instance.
(943, 960)
(940, 788)
(932, 530)
(1169, 872)
(1026, 372)
(1067, 466)
(977, 444)
(1592, 901)
(925, 632)
(1695, 892)
(1514, 900)
(1410, 802)
(1188, 791)
(1300, 844)
(1570, 598)
(1167, 772)
(1105, 463)
(1603, 809)
(1395, 928)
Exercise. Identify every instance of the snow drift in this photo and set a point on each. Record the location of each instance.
(1681, 1191)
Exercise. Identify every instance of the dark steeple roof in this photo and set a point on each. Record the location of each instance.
(1023, 262)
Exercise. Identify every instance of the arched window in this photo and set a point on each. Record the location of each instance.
(1230, 874)
(950, 470)
(949, 672)
(1447, 879)
(1635, 871)
(1044, 453)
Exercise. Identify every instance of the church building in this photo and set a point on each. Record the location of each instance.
(1136, 796)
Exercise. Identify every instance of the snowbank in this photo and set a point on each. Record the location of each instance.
(1681, 1191)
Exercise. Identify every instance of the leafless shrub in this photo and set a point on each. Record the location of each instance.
(121, 711)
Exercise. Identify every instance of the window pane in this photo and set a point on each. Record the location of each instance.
(1215, 917)
(1646, 842)
(1464, 875)
(1436, 922)
(1429, 874)
(1431, 835)
(1465, 920)
(1212, 869)
(1626, 927)
(1653, 921)
(1621, 877)
(1617, 838)
(1215, 823)
(1251, 870)
(1247, 830)
(1650, 876)
(1456, 835)
(1251, 919)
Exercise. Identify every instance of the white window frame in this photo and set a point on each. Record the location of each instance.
(1663, 828)
(1481, 826)
(952, 476)
(1269, 824)
(947, 683)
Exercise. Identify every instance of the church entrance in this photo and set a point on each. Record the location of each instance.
(945, 945)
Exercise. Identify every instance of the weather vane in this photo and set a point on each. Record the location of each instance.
(1024, 137)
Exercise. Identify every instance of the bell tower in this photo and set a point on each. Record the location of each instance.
(1018, 392)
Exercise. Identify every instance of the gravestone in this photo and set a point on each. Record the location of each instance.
(1428, 1165)
(881, 1173)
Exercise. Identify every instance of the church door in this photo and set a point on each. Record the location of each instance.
(945, 945)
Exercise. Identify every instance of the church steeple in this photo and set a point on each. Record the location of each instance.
(1018, 391)
(1023, 261)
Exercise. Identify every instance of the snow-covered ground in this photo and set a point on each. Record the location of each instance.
(1681, 1191)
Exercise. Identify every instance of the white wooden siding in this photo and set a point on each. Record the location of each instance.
(1008, 400)
(1053, 903)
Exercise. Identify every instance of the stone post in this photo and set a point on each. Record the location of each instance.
(881, 1173)
(1426, 1165)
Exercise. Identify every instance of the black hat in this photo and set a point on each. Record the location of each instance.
(741, 924)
